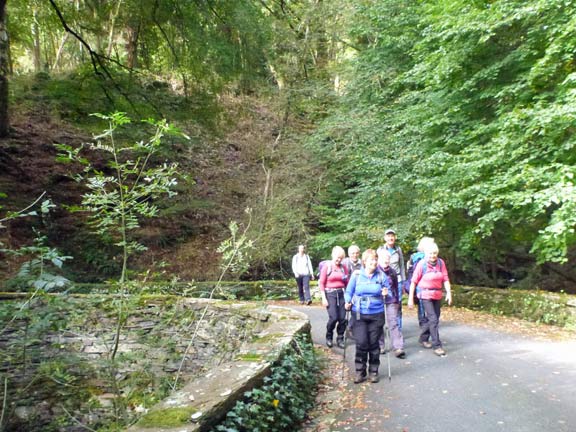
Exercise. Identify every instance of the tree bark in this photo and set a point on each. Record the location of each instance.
(4, 70)
(36, 52)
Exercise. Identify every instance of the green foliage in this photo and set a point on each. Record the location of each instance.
(235, 251)
(130, 187)
(284, 398)
(457, 121)
(536, 306)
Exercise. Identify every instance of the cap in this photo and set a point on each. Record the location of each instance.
(390, 231)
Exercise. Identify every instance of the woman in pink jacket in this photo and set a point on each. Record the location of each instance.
(430, 276)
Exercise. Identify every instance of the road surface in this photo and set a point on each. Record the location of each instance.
(489, 381)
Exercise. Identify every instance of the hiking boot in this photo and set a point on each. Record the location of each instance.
(439, 352)
(360, 377)
(340, 342)
(329, 343)
(400, 353)
(309, 302)
(374, 377)
(426, 344)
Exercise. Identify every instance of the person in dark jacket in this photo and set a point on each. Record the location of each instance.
(365, 297)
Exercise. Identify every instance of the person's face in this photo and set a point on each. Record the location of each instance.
(384, 261)
(354, 255)
(432, 256)
(370, 264)
(338, 259)
(300, 250)
(390, 239)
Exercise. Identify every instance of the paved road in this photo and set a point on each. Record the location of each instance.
(489, 381)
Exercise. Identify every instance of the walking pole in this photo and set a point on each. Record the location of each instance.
(345, 344)
(387, 341)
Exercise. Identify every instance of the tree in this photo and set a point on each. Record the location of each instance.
(4, 70)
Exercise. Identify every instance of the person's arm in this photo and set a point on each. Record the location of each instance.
(310, 269)
(349, 293)
(448, 289)
(322, 284)
(294, 269)
(401, 263)
(411, 295)
(415, 279)
(447, 285)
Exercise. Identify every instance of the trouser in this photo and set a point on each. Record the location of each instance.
(303, 283)
(336, 314)
(396, 337)
(399, 315)
(367, 332)
(421, 313)
(430, 324)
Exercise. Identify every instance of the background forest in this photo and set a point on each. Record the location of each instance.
(331, 120)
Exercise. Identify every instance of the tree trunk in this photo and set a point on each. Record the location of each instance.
(132, 34)
(4, 70)
(36, 43)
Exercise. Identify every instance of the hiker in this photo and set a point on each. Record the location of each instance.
(411, 265)
(303, 272)
(332, 282)
(354, 264)
(353, 261)
(397, 264)
(364, 296)
(430, 275)
(392, 302)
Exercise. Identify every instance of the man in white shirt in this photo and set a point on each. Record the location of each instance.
(303, 272)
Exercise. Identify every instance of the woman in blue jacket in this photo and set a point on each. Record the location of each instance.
(365, 297)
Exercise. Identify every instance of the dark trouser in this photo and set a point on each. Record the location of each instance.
(431, 320)
(336, 314)
(421, 313)
(367, 332)
(303, 283)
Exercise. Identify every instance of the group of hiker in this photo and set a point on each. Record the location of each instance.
(363, 296)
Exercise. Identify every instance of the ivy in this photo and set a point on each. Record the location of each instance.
(281, 403)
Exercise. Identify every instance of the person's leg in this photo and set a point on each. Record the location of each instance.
(300, 283)
(341, 320)
(332, 317)
(425, 328)
(397, 340)
(361, 357)
(374, 330)
(434, 319)
(306, 289)
(421, 314)
(400, 305)
(432, 310)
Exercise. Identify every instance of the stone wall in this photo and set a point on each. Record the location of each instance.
(56, 354)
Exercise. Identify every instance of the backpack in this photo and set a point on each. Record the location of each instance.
(424, 266)
(323, 263)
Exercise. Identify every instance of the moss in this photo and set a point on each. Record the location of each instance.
(169, 417)
(249, 357)
(267, 338)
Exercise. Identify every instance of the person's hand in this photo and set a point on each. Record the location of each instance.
(449, 298)
(384, 292)
(410, 302)
(324, 302)
(348, 306)
(311, 277)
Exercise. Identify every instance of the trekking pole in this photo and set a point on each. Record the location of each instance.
(387, 342)
(345, 344)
